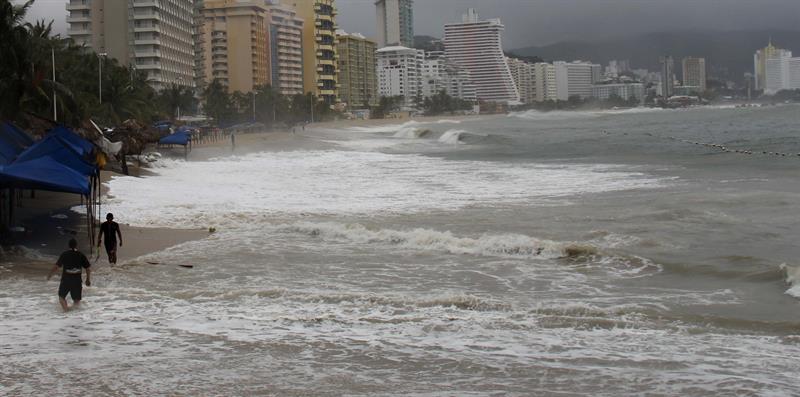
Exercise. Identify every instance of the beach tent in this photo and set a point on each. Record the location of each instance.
(178, 138)
(44, 173)
(55, 148)
(12, 142)
(78, 144)
(16, 135)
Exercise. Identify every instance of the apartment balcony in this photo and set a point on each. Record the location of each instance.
(325, 47)
(330, 62)
(148, 66)
(139, 16)
(145, 3)
(73, 32)
(79, 5)
(148, 54)
(148, 28)
(78, 18)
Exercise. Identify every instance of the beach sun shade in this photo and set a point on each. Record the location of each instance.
(44, 173)
(56, 149)
(78, 144)
(178, 138)
(17, 136)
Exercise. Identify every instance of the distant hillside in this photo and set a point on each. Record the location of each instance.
(428, 43)
(728, 54)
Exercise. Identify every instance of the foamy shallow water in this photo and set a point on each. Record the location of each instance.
(361, 272)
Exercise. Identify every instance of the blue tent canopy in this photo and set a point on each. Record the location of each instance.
(44, 173)
(55, 148)
(16, 135)
(78, 144)
(178, 138)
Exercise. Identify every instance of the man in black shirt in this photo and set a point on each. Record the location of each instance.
(110, 229)
(72, 262)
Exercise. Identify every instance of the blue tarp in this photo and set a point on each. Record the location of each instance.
(55, 148)
(78, 144)
(44, 173)
(178, 138)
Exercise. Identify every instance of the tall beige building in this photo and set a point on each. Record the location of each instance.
(760, 59)
(358, 85)
(694, 72)
(320, 75)
(286, 48)
(544, 84)
(152, 36)
(235, 44)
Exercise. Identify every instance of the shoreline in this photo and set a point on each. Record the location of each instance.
(49, 221)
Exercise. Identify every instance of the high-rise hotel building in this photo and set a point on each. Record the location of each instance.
(358, 85)
(286, 48)
(476, 46)
(320, 74)
(234, 44)
(395, 23)
(154, 37)
(694, 72)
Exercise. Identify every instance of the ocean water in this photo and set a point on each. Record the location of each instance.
(564, 253)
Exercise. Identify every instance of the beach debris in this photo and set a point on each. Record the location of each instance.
(212, 229)
(187, 266)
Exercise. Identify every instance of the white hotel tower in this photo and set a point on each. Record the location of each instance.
(475, 46)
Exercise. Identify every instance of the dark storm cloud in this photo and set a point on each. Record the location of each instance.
(537, 22)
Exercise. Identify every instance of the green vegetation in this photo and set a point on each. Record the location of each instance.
(441, 103)
(577, 103)
(28, 87)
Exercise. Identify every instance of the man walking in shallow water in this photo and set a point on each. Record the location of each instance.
(72, 262)
(110, 229)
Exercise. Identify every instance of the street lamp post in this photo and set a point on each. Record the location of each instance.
(180, 80)
(55, 105)
(100, 57)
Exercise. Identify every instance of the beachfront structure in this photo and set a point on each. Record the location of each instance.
(622, 90)
(694, 72)
(395, 25)
(358, 85)
(524, 77)
(285, 48)
(667, 76)
(545, 88)
(760, 62)
(476, 46)
(320, 74)
(574, 79)
(154, 37)
(399, 73)
(234, 44)
(438, 74)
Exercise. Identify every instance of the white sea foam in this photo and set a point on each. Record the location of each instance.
(385, 127)
(792, 278)
(452, 137)
(502, 245)
(196, 194)
(448, 121)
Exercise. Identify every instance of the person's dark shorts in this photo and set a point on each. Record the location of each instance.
(72, 285)
(111, 246)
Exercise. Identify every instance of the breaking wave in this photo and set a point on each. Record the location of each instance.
(503, 245)
(792, 274)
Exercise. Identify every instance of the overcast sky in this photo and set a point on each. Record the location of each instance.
(538, 22)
